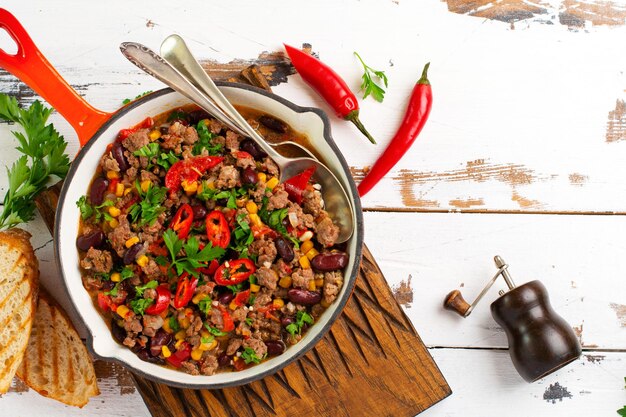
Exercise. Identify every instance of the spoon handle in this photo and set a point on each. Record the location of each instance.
(150, 62)
(176, 53)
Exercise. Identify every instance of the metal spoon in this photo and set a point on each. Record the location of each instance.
(336, 201)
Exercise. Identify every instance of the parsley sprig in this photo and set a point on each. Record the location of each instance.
(150, 207)
(301, 318)
(249, 355)
(44, 157)
(205, 141)
(194, 258)
(100, 212)
(369, 86)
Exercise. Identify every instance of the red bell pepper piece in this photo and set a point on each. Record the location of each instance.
(146, 123)
(258, 231)
(105, 303)
(113, 185)
(233, 272)
(184, 290)
(217, 230)
(190, 170)
(239, 364)
(181, 223)
(182, 354)
(162, 300)
(295, 185)
(241, 299)
(229, 324)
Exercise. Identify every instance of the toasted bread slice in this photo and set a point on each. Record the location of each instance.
(57, 364)
(19, 280)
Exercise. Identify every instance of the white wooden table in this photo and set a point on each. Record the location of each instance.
(524, 156)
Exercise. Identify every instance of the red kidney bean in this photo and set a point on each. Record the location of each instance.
(331, 261)
(97, 190)
(118, 154)
(249, 176)
(284, 249)
(90, 240)
(304, 297)
(199, 212)
(273, 124)
(107, 285)
(197, 115)
(119, 334)
(223, 360)
(131, 254)
(275, 347)
(144, 355)
(160, 339)
(226, 298)
(286, 321)
(165, 129)
(128, 288)
(250, 146)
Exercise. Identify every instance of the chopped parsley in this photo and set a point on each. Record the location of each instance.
(301, 318)
(150, 207)
(205, 305)
(166, 160)
(249, 356)
(87, 210)
(177, 115)
(235, 288)
(127, 100)
(139, 305)
(174, 324)
(214, 194)
(125, 273)
(208, 339)
(242, 235)
(141, 288)
(249, 321)
(274, 219)
(194, 257)
(214, 330)
(150, 150)
(205, 141)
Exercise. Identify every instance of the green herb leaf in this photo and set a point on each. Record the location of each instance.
(150, 150)
(205, 305)
(139, 289)
(249, 321)
(301, 318)
(214, 330)
(150, 207)
(194, 258)
(249, 356)
(205, 141)
(369, 86)
(139, 305)
(174, 324)
(208, 339)
(166, 160)
(622, 411)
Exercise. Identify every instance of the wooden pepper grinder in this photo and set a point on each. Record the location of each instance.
(540, 341)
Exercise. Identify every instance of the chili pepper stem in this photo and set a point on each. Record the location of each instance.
(424, 78)
(353, 116)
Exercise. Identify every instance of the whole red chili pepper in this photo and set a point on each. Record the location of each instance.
(328, 84)
(416, 115)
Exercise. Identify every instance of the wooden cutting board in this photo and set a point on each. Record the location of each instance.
(372, 362)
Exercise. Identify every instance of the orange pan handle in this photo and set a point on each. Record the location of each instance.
(30, 66)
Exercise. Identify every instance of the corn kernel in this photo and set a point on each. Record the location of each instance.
(127, 191)
(145, 185)
(166, 326)
(180, 335)
(142, 261)
(233, 305)
(312, 253)
(119, 189)
(208, 346)
(178, 344)
(241, 202)
(311, 286)
(122, 310)
(185, 322)
(278, 303)
(252, 207)
(272, 183)
(113, 223)
(285, 282)
(116, 277)
(256, 220)
(324, 303)
(154, 135)
(130, 242)
(210, 185)
(197, 298)
(114, 211)
(255, 288)
(196, 354)
(190, 187)
(304, 262)
(306, 246)
(166, 351)
(319, 282)
(112, 174)
(306, 236)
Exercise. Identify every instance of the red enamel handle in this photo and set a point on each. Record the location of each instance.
(30, 66)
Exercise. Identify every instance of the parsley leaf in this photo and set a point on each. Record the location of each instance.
(301, 318)
(194, 257)
(208, 339)
(235, 288)
(249, 321)
(205, 141)
(150, 151)
(139, 305)
(249, 355)
(87, 210)
(205, 305)
(150, 207)
(139, 289)
(44, 157)
(174, 324)
(214, 330)
(243, 236)
(127, 100)
(275, 219)
(166, 160)
(368, 86)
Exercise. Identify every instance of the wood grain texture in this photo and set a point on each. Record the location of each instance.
(341, 376)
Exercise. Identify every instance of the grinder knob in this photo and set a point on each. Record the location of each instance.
(455, 302)
(540, 341)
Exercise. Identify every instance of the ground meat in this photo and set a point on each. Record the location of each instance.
(239, 314)
(132, 324)
(232, 140)
(270, 166)
(233, 346)
(215, 317)
(327, 231)
(312, 202)
(258, 193)
(98, 261)
(120, 296)
(289, 309)
(279, 198)
(302, 219)
(108, 163)
(209, 366)
(244, 163)
(172, 142)
(190, 368)
(194, 340)
(302, 277)
(190, 136)
(150, 294)
(265, 249)
(262, 299)
(215, 126)
(228, 177)
(218, 140)
(129, 341)
(149, 176)
(196, 326)
(317, 310)
(92, 283)
(151, 324)
(120, 235)
(125, 201)
(151, 269)
(267, 277)
(205, 288)
(332, 284)
(256, 343)
(136, 140)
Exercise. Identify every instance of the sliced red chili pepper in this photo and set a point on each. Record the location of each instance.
(162, 300)
(210, 270)
(157, 248)
(233, 272)
(130, 202)
(258, 231)
(113, 185)
(295, 185)
(241, 299)
(242, 155)
(229, 324)
(105, 303)
(182, 354)
(189, 170)
(217, 230)
(181, 223)
(184, 290)
(146, 123)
